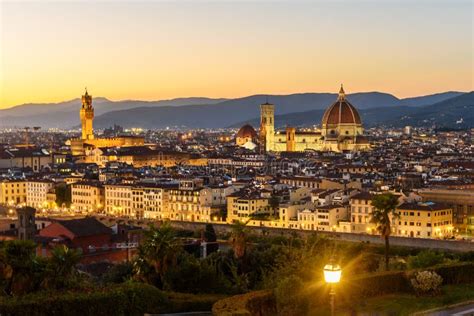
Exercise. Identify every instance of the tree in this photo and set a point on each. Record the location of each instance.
(211, 237)
(239, 239)
(17, 258)
(61, 267)
(274, 203)
(158, 251)
(384, 208)
(63, 194)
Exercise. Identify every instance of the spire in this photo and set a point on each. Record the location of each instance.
(342, 94)
(86, 91)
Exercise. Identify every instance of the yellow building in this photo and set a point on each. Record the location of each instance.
(341, 130)
(424, 220)
(460, 201)
(118, 200)
(87, 140)
(361, 213)
(36, 193)
(325, 218)
(193, 202)
(87, 196)
(13, 192)
(242, 205)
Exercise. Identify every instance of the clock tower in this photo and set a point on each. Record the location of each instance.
(87, 117)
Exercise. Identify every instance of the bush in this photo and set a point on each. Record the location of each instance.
(425, 259)
(426, 283)
(118, 273)
(456, 274)
(127, 299)
(290, 299)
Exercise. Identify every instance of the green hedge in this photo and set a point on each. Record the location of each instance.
(127, 299)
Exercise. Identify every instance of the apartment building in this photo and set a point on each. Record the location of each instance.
(87, 196)
(242, 205)
(37, 193)
(424, 220)
(13, 192)
(119, 200)
(325, 218)
(361, 212)
(460, 201)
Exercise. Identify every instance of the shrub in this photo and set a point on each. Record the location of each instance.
(426, 283)
(118, 273)
(127, 299)
(456, 274)
(290, 298)
(425, 259)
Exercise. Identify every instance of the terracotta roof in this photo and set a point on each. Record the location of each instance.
(85, 227)
(341, 112)
(247, 131)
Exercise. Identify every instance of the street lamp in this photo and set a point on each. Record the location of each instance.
(332, 275)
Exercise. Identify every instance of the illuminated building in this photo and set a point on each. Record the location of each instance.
(341, 130)
(87, 140)
(13, 192)
(87, 196)
(424, 220)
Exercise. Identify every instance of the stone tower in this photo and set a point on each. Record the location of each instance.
(26, 223)
(267, 127)
(87, 117)
(290, 139)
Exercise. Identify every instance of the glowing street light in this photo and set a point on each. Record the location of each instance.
(332, 275)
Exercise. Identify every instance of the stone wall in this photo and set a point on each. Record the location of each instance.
(452, 245)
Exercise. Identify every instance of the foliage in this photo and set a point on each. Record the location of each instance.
(290, 298)
(195, 276)
(239, 239)
(63, 194)
(384, 207)
(210, 236)
(118, 273)
(60, 269)
(157, 254)
(426, 283)
(127, 299)
(425, 259)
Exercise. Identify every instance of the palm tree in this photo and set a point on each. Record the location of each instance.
(384, 208)
(239, 238)
(62, 266)
(160, 249)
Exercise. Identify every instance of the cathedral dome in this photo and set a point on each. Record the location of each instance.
(341, 112)
(247, 131)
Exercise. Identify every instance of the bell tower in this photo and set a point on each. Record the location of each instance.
(26, 223)
(267, 127)
(87, 117)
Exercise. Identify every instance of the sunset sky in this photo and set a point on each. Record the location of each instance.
(158, 50)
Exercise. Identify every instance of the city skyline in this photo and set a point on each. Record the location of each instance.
(228, 50)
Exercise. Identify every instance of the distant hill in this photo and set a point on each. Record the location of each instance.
(457, 112)
(65, 114)
(295, 109)
(431, 99)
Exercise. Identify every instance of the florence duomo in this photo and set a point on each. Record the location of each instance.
(341, 130)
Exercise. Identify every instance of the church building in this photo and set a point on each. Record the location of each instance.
(341, 130)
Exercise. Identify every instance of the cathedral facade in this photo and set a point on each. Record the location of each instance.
(79, 146)
(341, 130)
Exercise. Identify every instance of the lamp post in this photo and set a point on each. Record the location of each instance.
(332, 275)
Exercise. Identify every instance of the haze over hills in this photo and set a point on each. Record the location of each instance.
(294, 109)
